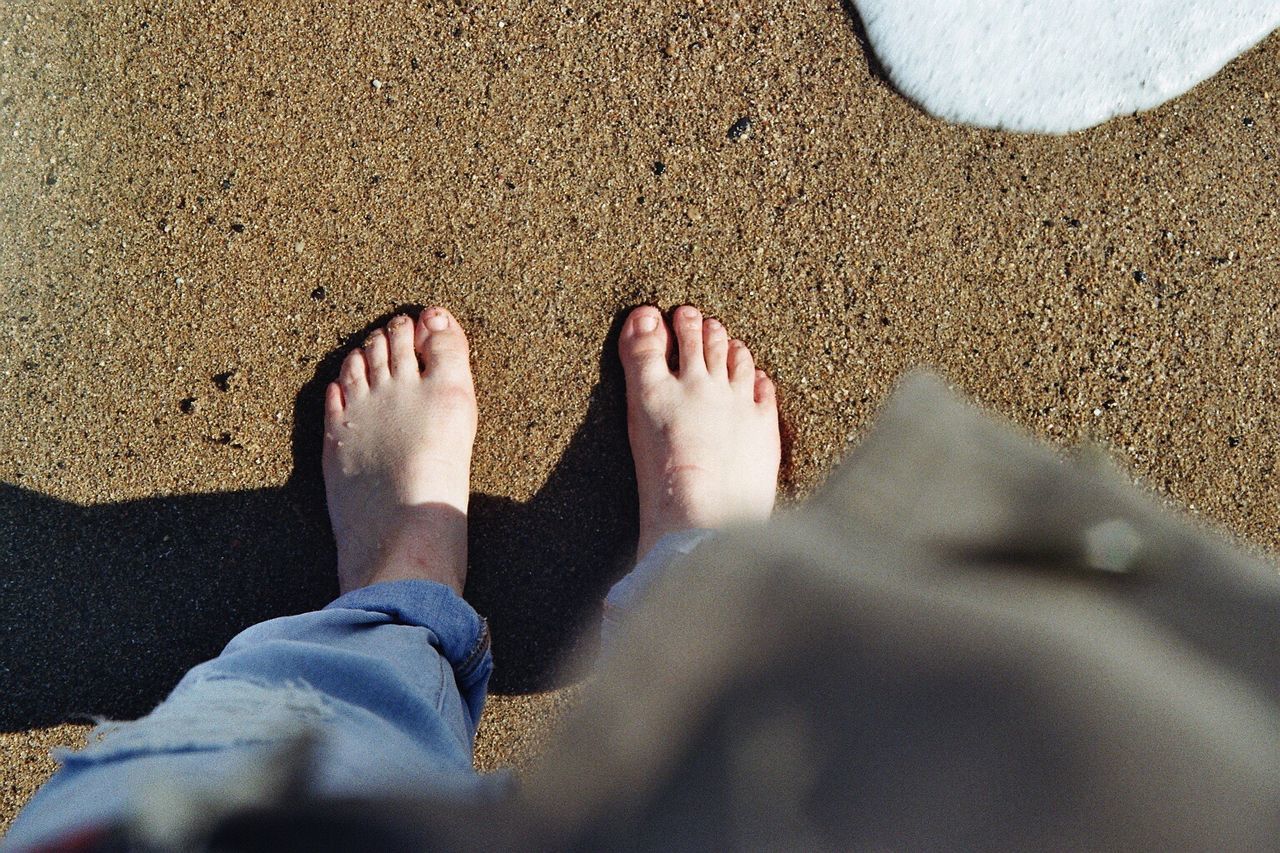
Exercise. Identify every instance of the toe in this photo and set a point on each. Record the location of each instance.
(715, 347)
(354, 376)
(375, 355)
(643, 344)
(742, 368)
(765, 391)
(333, 401)
(688, 325)
(442, 343)
(403, 359)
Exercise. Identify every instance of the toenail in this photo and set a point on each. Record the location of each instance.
(646, 323)
(437, 322)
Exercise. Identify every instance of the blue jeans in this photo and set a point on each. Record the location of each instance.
(391, 678)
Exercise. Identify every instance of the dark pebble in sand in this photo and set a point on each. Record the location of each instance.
(1233, 441)
(50, 180)
(414, 64)
(223, 380)
(188, 405)
(1139, 276)
(237, 227)
(1248, 121)
(226, 183)
(227, 439)
(1072, 222)
(740, 128)
(659, 167)
(319, 292)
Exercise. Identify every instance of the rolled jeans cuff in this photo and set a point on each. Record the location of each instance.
(462, 635)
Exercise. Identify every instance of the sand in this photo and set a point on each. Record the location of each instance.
(202, 205)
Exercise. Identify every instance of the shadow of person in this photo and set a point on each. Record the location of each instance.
(538, 570)
(106, 606)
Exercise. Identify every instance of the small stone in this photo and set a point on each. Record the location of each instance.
(1139, 276)
(414, 64)
(237, 227)
(376, 83)
(50, 180)
(319, 293)
(188, 405)
(1233, 441)
(659, 168)
(1072, 222)
(1248, 121)
(223, 380)
(739, 128)
(226, 184)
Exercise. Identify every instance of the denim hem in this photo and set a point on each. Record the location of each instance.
(476, 656)
(461, 634)
(627, 593)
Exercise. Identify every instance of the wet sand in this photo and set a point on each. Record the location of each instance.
(202, 207)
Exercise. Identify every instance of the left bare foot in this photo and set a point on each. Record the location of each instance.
(397, 454)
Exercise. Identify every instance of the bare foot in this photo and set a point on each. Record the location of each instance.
(397, 454)
(705, 438)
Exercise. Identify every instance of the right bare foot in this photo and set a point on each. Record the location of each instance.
(705, 438)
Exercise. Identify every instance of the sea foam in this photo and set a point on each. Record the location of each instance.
(1053, 66)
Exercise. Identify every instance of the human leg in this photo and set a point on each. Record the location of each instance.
(391, 676)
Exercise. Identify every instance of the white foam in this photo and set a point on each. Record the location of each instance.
(1054, 66)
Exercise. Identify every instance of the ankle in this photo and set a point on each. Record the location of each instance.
(428, 542)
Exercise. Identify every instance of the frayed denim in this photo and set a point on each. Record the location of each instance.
(389, 681)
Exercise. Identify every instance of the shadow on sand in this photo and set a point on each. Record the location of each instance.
(105, 607)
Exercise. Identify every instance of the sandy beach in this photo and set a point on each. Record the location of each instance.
(204, 205)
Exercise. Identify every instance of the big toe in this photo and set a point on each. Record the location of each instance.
(643, 345)
(442, 344)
